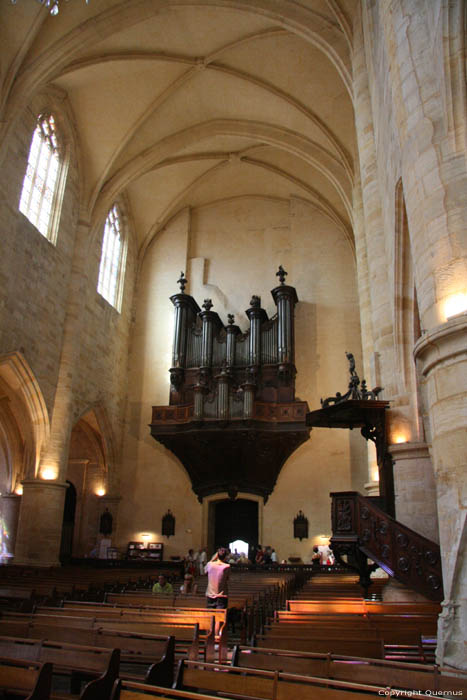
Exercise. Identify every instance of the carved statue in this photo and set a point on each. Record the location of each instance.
(255, 301)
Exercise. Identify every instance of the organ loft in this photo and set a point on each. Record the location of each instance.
(233, 418)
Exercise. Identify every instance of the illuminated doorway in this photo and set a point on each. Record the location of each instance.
(233, 520)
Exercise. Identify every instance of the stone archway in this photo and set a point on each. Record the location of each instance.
(87, 471)
(24, 430)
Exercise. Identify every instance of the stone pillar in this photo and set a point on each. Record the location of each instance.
(414, 486)
(10, 505)
(41, 514)
(435, 183)
(40, 523)
(442, 356)
(372, 485)
(374, 288)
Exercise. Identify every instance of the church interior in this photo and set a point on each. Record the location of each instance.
(234, 285)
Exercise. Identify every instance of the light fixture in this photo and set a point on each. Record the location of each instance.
(53, 4)
(455, 304)
(146, 536)
(49, 473)
(100, 492)
(19, 490)
(398, 439)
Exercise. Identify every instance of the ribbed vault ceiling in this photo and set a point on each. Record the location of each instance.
(180, 103)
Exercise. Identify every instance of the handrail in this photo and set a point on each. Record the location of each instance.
(361, 530)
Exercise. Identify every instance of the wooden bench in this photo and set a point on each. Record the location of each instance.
(187, 636)
(363, 606)
(151, 657)
(352, 646)
(105, 612)
(400, 632)
(351, 668)
(27, 679)
(99, 667)
(137, 691)
(254, 683)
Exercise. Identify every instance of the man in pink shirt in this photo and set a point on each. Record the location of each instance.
(217, 589)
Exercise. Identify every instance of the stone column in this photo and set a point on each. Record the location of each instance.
(10, 504)
(414, 485)
(41, 514)
(435, 182)
(442, 356)
(372, 485)
(40, 523)
(374, 288)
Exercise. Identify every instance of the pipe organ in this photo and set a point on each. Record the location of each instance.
(232, 417)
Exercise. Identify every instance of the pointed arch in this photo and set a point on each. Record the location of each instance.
(27, 406)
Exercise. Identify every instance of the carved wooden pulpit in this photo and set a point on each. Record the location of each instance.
(232, 418)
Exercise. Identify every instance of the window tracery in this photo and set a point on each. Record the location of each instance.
(40, 201)
(113, 257)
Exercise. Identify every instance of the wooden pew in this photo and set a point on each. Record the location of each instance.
(351, 668)
(56, 627)
(254, 683)
(151, 657)
(31, 680)
(399, 632)
(96, 665)
(104, 613)
(351, 646)
(137, 691)
(362, 607)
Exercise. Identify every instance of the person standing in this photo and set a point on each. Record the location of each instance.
(218, 570)
(202, 559)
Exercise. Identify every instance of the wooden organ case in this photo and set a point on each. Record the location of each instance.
(232, 417)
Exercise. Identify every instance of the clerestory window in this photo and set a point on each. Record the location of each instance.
(41, 195)
(113, 258)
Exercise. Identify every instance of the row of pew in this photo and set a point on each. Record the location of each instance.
(129, 648)
(290, 675)
(337, 620)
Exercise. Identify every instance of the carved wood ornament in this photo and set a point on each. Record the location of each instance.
(232, 417)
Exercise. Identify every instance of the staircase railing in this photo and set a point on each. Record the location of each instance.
(362, 531)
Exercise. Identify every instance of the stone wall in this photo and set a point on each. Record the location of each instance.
(73, 341)
(234, 248)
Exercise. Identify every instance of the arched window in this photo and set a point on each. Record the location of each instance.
(40, 198)
(113, 258)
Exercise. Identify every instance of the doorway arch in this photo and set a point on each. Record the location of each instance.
(69, 510)
(230, 520)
